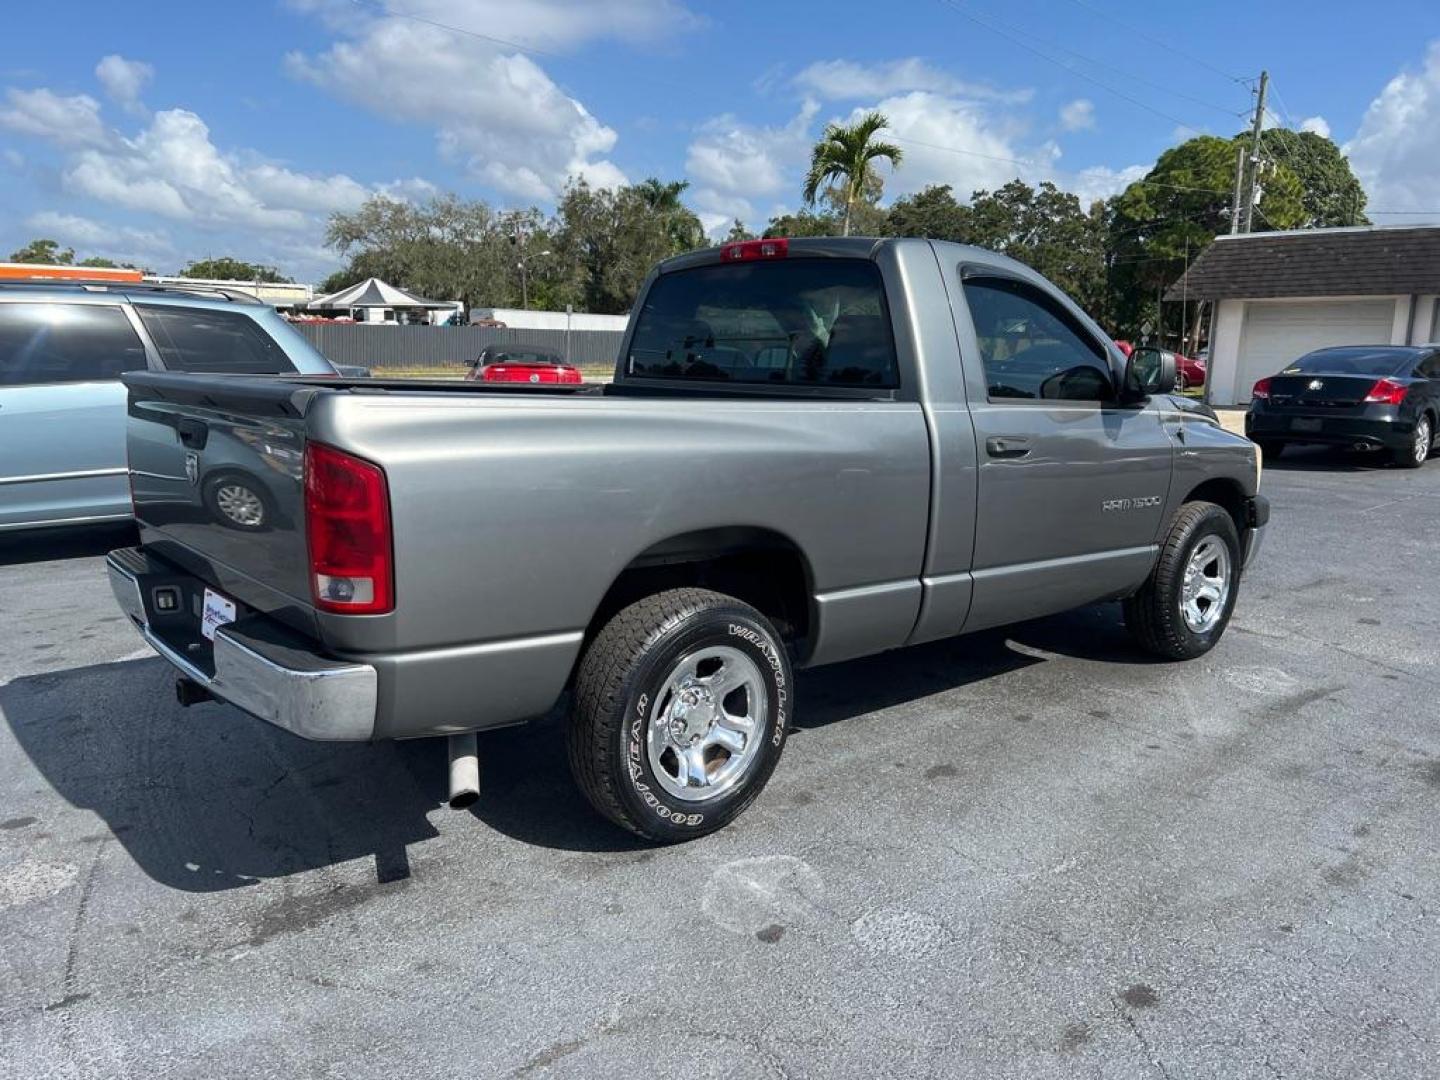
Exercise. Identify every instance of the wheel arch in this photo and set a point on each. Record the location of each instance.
(759, 565)
(1224, 492)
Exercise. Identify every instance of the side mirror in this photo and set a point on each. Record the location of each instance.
(1150, 371)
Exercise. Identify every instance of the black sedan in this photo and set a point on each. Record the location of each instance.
(1371, 397)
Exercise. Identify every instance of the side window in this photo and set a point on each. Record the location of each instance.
(60, 343)
(200, 339)
(1430, 367)
(1032, 348)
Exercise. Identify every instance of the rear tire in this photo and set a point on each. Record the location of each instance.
(1170, 615)
(1413, 455)
(657, 720)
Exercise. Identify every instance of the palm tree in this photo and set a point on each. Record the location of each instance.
(680, 223)
(844, 159)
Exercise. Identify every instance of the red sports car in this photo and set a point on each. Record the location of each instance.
(522, 365)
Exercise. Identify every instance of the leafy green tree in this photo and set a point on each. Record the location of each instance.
(932, 213)
(231, 269)
(100, 263)
(686, 232)
(843, 162)
(1330, 193)
(1162, 222)
(607, 241)
(446, 248)
(738, 232)
(44, 251)
(803, 223)
(1047, 230)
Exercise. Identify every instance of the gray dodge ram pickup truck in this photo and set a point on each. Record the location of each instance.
(812, 450)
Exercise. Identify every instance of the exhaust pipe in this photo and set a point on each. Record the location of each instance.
(464, 771)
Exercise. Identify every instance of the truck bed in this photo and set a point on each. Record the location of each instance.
(516, 509)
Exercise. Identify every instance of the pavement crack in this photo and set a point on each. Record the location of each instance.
(1150, 1054)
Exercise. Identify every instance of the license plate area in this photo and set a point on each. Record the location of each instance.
(1306, 423)
(217, 610)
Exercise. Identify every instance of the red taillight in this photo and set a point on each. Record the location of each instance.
(777, 248)
(1262, 390)
(347, 523)
(1386, 392)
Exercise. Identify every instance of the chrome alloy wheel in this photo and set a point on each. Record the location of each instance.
(1206, 587)
(707, 723)
(241, 505)
(1423, 438)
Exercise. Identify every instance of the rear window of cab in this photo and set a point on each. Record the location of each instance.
(794, 322)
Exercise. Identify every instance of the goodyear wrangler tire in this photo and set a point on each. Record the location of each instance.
(1183, 608)
(681, 706)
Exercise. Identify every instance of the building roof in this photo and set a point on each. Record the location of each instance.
(1368, 261)
(372, 292)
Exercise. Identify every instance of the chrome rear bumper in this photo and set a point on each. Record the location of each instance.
(255, 670)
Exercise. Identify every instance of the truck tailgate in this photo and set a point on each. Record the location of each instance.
(216, 471)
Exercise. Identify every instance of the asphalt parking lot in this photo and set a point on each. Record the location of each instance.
(1030, 853)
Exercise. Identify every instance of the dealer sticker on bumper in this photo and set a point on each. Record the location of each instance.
(217, 612)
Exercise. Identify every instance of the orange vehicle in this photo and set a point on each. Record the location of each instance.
(41, 271)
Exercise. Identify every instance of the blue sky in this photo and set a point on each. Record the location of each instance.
(206, 129)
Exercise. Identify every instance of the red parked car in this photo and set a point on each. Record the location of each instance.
(525, 365)
(1192, 372)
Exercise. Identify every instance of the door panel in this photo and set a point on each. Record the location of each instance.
(1091, 485)
(62, 410)
(62, 453)
(1071, 485)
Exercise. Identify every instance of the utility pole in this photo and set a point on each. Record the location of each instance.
(1239, 184)
(1254, 174)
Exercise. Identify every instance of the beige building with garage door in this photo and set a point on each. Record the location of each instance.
(1278, 295)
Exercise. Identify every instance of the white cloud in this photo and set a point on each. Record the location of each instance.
(1316, 124)
(1396, 152)
(541, 25)
(733, 163)
(44, 114)
(97, 237)
(492, 107)
(1100, 182)
(124, 80)
(847, 80)
(953, 141)
(173, 169)
(1077, 115)
(947, 138)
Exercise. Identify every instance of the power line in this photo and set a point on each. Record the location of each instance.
(1019, 37)
(1154, 40)
(375, 5)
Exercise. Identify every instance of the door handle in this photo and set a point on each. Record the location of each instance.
(1007, 446)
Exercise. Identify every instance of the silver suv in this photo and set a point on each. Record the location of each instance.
(63, 346)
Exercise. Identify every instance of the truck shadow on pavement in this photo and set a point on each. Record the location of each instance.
(76, 542)
(206, 799)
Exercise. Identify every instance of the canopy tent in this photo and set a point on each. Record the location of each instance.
(374, 293)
